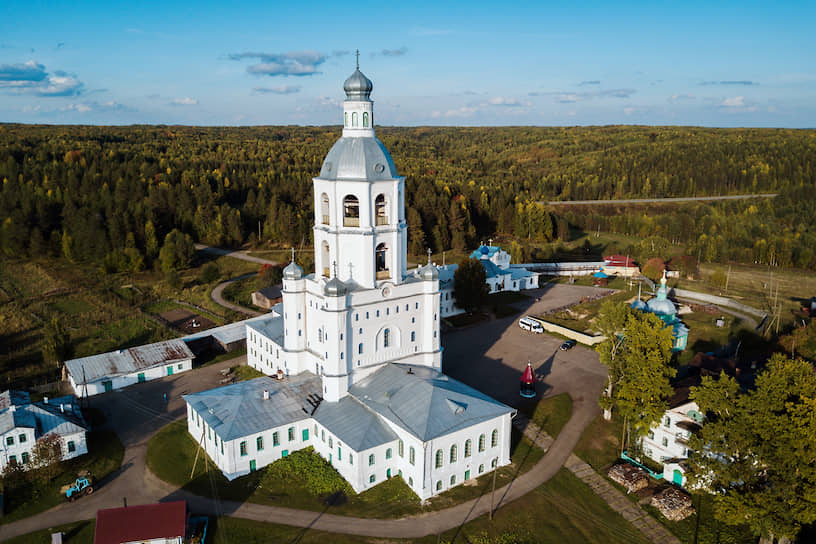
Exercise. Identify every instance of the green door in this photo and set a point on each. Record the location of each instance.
(388, 473)
(467, 475)
(284, 453)
(678, 477)
(305, 435)
(169, 370)
(108, 385)
(141, 377)
(252, 465)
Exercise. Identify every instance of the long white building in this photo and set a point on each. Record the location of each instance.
(356, 345)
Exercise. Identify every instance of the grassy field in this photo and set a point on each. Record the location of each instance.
(104, 456)
(240, 292)
(552, 414)
(171, 453)
(562, 511)
(245, 372)
(102, 311)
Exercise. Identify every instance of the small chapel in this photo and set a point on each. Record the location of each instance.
(353, 349)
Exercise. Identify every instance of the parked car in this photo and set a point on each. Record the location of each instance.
(569, 344)
(530, 324)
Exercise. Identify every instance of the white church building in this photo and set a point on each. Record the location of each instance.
(355, 346)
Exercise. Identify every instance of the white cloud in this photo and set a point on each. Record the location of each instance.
(675, 98)
(32, 78)
(280, 89)
(736, 102)
(186, 101)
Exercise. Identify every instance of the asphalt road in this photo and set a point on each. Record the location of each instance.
(235, 254)
(489, 356)
(217, 294)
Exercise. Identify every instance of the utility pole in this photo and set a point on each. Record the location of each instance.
(493, 492)
(727, 278)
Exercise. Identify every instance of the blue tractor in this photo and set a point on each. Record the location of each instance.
(81, 486)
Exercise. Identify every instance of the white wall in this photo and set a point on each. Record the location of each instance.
(231, 462)
(669, 441)
(118, 382)
(17, 449)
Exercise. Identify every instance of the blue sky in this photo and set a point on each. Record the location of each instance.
(432, 63)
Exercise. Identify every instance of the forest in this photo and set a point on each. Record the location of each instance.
(112, 195)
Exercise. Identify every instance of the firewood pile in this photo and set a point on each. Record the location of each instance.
(673, 504)
(629, 476)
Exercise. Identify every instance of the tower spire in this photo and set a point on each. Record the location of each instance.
(357, 54)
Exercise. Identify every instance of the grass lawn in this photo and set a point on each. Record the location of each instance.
(104, 456)
(240, 292)
(600, 444)
(78, 532)
(563, 510)
(171, 453)
(551, 414)
(246, 372)
(581, 317)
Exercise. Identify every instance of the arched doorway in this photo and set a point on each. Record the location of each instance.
(382, 262)
(325, 259)
(324, 208)
(351, 211)
(380, 210)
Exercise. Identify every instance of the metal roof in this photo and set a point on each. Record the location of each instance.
(425, 402)
(7, 398)
(351, 422)
(356, 158)
(239, 410)
(491, 270)
(229, 333)
(127, 361)
(45, 418)
(167, 520)
(271, 328)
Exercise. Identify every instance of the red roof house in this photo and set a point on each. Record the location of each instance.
(162, 522)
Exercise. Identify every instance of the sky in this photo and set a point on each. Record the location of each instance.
(469, 63)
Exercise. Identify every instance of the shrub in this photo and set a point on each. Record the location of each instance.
(306, 469)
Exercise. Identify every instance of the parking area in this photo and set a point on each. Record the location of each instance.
(491, 356)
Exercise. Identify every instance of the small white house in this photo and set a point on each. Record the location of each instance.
(667, 443)
(117, 369)
(22, 423)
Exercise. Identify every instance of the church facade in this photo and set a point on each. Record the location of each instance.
(355, 346)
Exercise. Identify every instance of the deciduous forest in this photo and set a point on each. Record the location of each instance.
(111, 195)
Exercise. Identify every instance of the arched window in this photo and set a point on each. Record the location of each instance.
(325, 257)
(453, 454)
(400, 449)
(386, 338)
(481, 469)
(453, 479)
(411, 455)
(365, 119)
(351, 211)
(439, 485)
(382, 262)
(468, 446)
(345, 119)
(413, 336)
(354, 119)
(360, 349)
(324, 208)
(380, 210)
(494, 438)
(481, 442)
(438, 458)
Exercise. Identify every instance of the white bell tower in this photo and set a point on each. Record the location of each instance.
(360, 200)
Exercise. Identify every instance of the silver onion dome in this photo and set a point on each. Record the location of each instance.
(358, 86)
(292, 270)
(335, 288)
